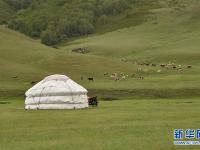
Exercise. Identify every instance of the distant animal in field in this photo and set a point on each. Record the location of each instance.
(33, 82)
(159, 71)
(114, 76)
(81, 50)
(91, 79)
(189, 66)
(147, 64)
(122, 74)
(141, 77)
(93, 101)
(139, 69)
(153, 65)
(162, 65)
(81, 77)
(180, 70)
(141, 64)
(105, 74)
(14, 76)
(123, 77)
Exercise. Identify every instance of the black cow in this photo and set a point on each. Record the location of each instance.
(33, 82)
(91, 79)
(92, 101)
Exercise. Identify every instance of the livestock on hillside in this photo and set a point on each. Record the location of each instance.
(189, 66)
(80, 50)
(91, 79)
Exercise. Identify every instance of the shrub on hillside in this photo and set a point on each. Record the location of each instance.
(67, 18)
(49, 37)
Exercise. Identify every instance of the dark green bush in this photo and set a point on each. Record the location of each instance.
(49, 37)
(56, 20)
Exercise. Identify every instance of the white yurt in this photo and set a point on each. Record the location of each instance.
(56, 92)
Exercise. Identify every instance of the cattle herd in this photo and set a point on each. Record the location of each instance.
(139, 72)
(141, 67)
(171, 66)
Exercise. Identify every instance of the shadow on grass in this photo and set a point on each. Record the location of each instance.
(111, 95)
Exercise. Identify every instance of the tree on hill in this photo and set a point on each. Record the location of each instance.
(56, 20)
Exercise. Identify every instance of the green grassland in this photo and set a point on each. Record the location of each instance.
(31, 61)
(132, 113)
(114, 125)
(168, 35)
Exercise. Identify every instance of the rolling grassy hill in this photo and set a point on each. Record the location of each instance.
(169, 35)
(31, 61)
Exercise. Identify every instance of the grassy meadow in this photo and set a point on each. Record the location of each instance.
(115, 125)
(133, 114)
(169, 36)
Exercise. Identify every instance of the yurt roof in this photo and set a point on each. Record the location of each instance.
(55, 85)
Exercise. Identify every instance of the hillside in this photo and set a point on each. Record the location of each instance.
(169, 34)
(29, 60)
(56, 20)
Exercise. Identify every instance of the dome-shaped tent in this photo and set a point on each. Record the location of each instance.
(56, 92)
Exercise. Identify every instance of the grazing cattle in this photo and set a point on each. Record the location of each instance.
(124, 77)
(105, 74)
(180, 70)
(114, 76)
(91, 79)
(81, 77)
(93, 101)
(80, 50)
(33, 82)
(159, 71)
(162, 65)
(169, 66)
(139, 69)
(141, 77)
(189, 66)
(122, 74)
(147, 64)
(153, 65)
(141, 64)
